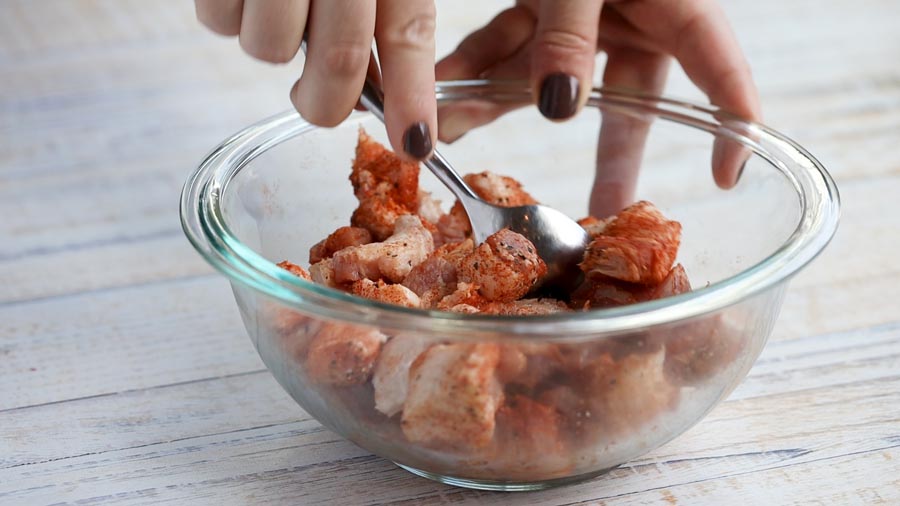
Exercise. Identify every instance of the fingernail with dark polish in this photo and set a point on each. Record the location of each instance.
(559, 96)
(417, 140)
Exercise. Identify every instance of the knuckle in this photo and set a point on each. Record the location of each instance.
(346, 60)
(514, 17)
(416, 32)
(565, 42)
(271, 53)
(686, 34)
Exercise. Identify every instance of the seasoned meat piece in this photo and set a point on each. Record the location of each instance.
(453, 397)
(698, 349)
(391, 260)
(323, 273)
(455, 253)
(499, 190)
(676, 282)
(528, 365)
(594, 226)
(506, 266)
(599, 293)
(295, 269)
(628, 392)
(342, 354)
(466, 299)
(513, 362)
(436, 277)
(294, 329)
(526, 307)
(432, 279)
(429, 207)
(341, 238)
(577, 420)
(469, 295)
(463, 308)
(378, 215)
(386, 187)
(454, 226)
(638, 246)
(430, 212)
(602, 292)
(383, 292)
(528, 440)
(391, 377)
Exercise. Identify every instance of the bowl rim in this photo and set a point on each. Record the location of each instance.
(205, 227)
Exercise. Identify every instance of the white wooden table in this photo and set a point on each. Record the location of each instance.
(125, 374)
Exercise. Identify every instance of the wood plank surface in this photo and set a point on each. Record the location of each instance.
(126, 376)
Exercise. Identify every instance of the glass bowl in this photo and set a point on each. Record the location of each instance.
(603, 386)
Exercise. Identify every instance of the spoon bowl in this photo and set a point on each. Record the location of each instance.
(558, 239)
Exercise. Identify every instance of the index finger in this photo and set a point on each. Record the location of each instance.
(697, 33)
(565, 46)
(404, 35)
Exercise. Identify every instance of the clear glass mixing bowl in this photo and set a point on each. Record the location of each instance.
(623, 381)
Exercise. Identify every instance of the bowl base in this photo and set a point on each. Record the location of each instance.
(505, 486)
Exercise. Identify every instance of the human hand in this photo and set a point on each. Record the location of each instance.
(340, 36)
(553, 44)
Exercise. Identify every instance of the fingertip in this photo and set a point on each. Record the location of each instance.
(721, 182)
(559, 96)
(727, 180)
(411, 120)
(719, 170)
(729, 160)
(404, 34)
(740, 172)
(295, 95)
(417, 141)
(412, 123)
(563, 53)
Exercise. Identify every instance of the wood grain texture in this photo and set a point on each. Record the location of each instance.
(165, 443)
(125, 373)
(95, 343)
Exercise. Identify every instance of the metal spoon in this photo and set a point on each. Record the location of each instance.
(558, 239)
